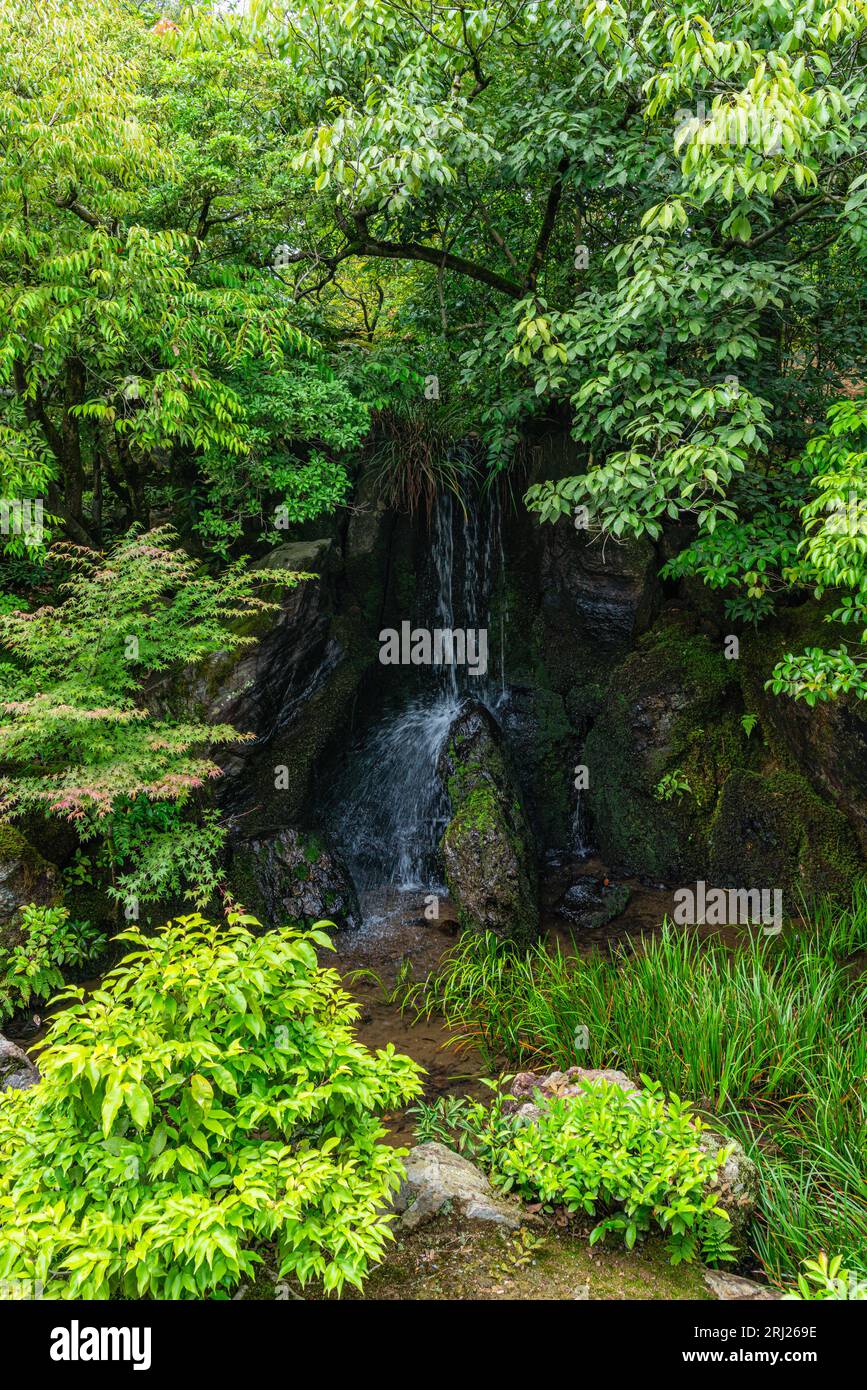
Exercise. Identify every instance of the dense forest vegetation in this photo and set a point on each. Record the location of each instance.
(327, 330)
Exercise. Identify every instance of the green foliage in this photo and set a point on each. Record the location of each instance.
(210, 1097)
(633, 1158)
(671, 785)
(769, 1036)
(75, 741)
(162, 854)
(825, 1278)
(31, 970)
(635, 1152)
(833, 556)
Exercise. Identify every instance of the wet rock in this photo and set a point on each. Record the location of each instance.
(488, 851)
(591, 903)
(248, 687)
(437, 1177)
(611, 589)
(25, 877)
(286, 875)
(734, 1288)
(528, 1086)
(17, 1072)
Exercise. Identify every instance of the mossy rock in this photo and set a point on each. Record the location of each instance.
(826, 744)
(25, 877)
(773, 831)
(672, 707)
(488, 850)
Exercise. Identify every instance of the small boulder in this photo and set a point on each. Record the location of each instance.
(591, 903)
(734, 1288)
(288, 876)
(437, 1176)
(17, 1072)
(527, 1086)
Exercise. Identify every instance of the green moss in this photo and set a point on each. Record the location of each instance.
(451, 1258)
(773, 831)
(673, 704)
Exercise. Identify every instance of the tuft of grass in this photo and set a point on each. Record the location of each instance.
(768, 1037)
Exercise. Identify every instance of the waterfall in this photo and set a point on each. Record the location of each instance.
(391, 809)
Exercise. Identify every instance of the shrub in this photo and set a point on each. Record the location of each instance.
(825, 1278)
(769, 1036)
(209, 1097)
(633, 1157)
(31, 969)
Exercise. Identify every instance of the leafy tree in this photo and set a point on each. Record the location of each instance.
(80, 738)
(651, 217)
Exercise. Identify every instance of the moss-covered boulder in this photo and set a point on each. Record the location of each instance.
(288, 875)
(825, 743)
(488, 851)
(771, 829)
(25, 877)
(665, 742)
(679, 790)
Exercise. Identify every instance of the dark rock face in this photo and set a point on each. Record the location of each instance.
(287, 876)
(677, 791)
(25, 877)
(17, 1072)
(590, 903)
(672, 709)
(612, 590)
(827, 743)
(257, 686)
(488, 852)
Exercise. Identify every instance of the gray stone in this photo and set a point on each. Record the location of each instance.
(437, 1178)
(17, 1072)
(286, 875)
(734, 1288)
(590, 903)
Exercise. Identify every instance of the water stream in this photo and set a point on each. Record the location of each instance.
(392, 808)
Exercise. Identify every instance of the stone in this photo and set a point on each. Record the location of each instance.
(438, 1178)
(736, 1186)
(285, 875)
(528, 1085)
(488, 850)
(590, 903)
(25, 877)
(17, 1072)
(735, 1288)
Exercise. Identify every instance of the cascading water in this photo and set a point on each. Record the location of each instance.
(389, 821)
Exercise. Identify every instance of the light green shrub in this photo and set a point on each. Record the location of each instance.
(209, 1098)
